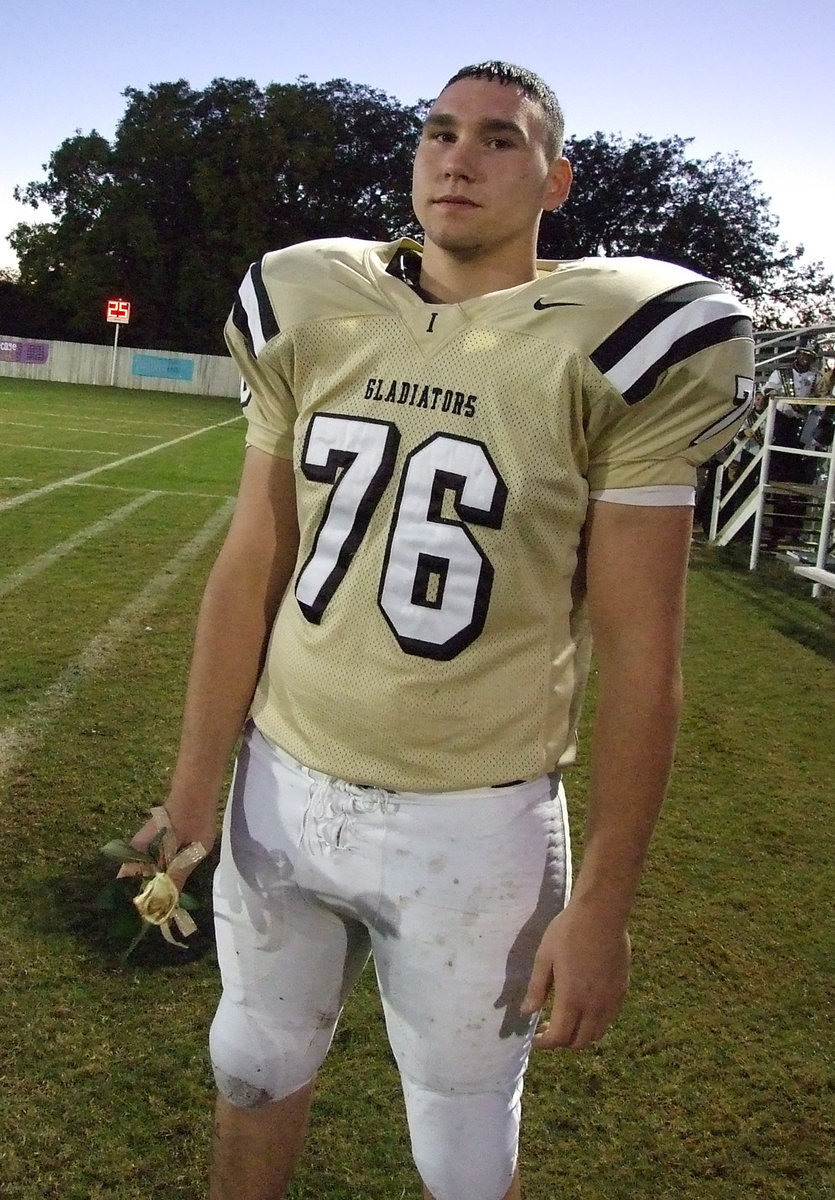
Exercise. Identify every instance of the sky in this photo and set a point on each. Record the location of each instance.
(751, 77)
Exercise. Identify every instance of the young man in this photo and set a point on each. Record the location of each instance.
(459, 464)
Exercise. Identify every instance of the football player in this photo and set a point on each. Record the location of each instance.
(462, 464)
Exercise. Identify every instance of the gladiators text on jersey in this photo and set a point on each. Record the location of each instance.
(421, 395)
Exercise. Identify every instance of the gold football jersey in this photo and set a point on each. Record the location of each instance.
(434, 636)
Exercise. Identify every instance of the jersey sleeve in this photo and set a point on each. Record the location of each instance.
(678, 377)
(266, 397)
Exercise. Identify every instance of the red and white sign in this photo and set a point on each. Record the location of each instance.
(118, 311)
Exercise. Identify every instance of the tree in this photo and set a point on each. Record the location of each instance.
(648, 197)
(198, 184)
(24, 311)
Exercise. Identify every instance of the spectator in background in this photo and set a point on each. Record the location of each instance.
(795, 380)
(818, 426)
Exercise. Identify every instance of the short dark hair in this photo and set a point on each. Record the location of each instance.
(533, 86)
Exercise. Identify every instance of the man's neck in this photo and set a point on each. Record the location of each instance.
(447, 278)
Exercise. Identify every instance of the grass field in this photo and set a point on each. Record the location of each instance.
(718, 1079)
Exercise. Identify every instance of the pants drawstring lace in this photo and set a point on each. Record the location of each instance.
(329, 817)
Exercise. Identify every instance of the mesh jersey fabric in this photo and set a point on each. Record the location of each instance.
(434, 636)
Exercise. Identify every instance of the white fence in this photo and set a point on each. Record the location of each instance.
(154, 370)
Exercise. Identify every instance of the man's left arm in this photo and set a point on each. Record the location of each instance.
(636, 562)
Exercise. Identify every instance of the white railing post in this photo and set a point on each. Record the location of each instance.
(826, 520)
(763, 483)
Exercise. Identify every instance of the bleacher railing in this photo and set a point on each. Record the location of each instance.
(775, 348)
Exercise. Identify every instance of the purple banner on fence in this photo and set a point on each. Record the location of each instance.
(24, 352)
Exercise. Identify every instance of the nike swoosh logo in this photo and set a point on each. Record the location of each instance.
(540, 304)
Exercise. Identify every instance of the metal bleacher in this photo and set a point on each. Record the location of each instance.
(745, 492)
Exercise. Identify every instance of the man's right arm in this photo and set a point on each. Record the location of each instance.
(241, 599)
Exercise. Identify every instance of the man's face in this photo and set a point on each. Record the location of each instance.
(481, 175)
(804, 361)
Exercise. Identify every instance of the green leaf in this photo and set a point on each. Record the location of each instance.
(125, 853)
(188, 902)
(123, 924)
(113, 897)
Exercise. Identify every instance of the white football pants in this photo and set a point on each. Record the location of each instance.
(450, 893)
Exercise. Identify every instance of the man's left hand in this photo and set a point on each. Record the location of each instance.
(584, 964)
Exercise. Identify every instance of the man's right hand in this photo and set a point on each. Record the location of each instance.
(186, 830)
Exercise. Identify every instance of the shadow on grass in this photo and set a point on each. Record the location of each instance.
(782, 598)
(91, 905)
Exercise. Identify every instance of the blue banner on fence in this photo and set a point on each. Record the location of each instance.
(154, 366)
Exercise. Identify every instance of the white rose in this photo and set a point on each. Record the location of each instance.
(158, 899)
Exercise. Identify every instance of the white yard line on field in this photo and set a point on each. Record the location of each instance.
(117, 487)
(14, 501)
(61, 449)
(36, 565)
(17, 739)
(78, 429)
(78, 416)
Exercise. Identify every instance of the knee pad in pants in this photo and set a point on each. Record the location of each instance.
(464, 1144)
(255, 1060)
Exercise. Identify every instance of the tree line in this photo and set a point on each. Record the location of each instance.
(196, 184)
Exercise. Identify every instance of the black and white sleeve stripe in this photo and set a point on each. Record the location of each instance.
(252, 314)
(665, 331)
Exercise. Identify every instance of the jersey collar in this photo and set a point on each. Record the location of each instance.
(405, 265)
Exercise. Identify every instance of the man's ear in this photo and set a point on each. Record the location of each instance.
(558, 185)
